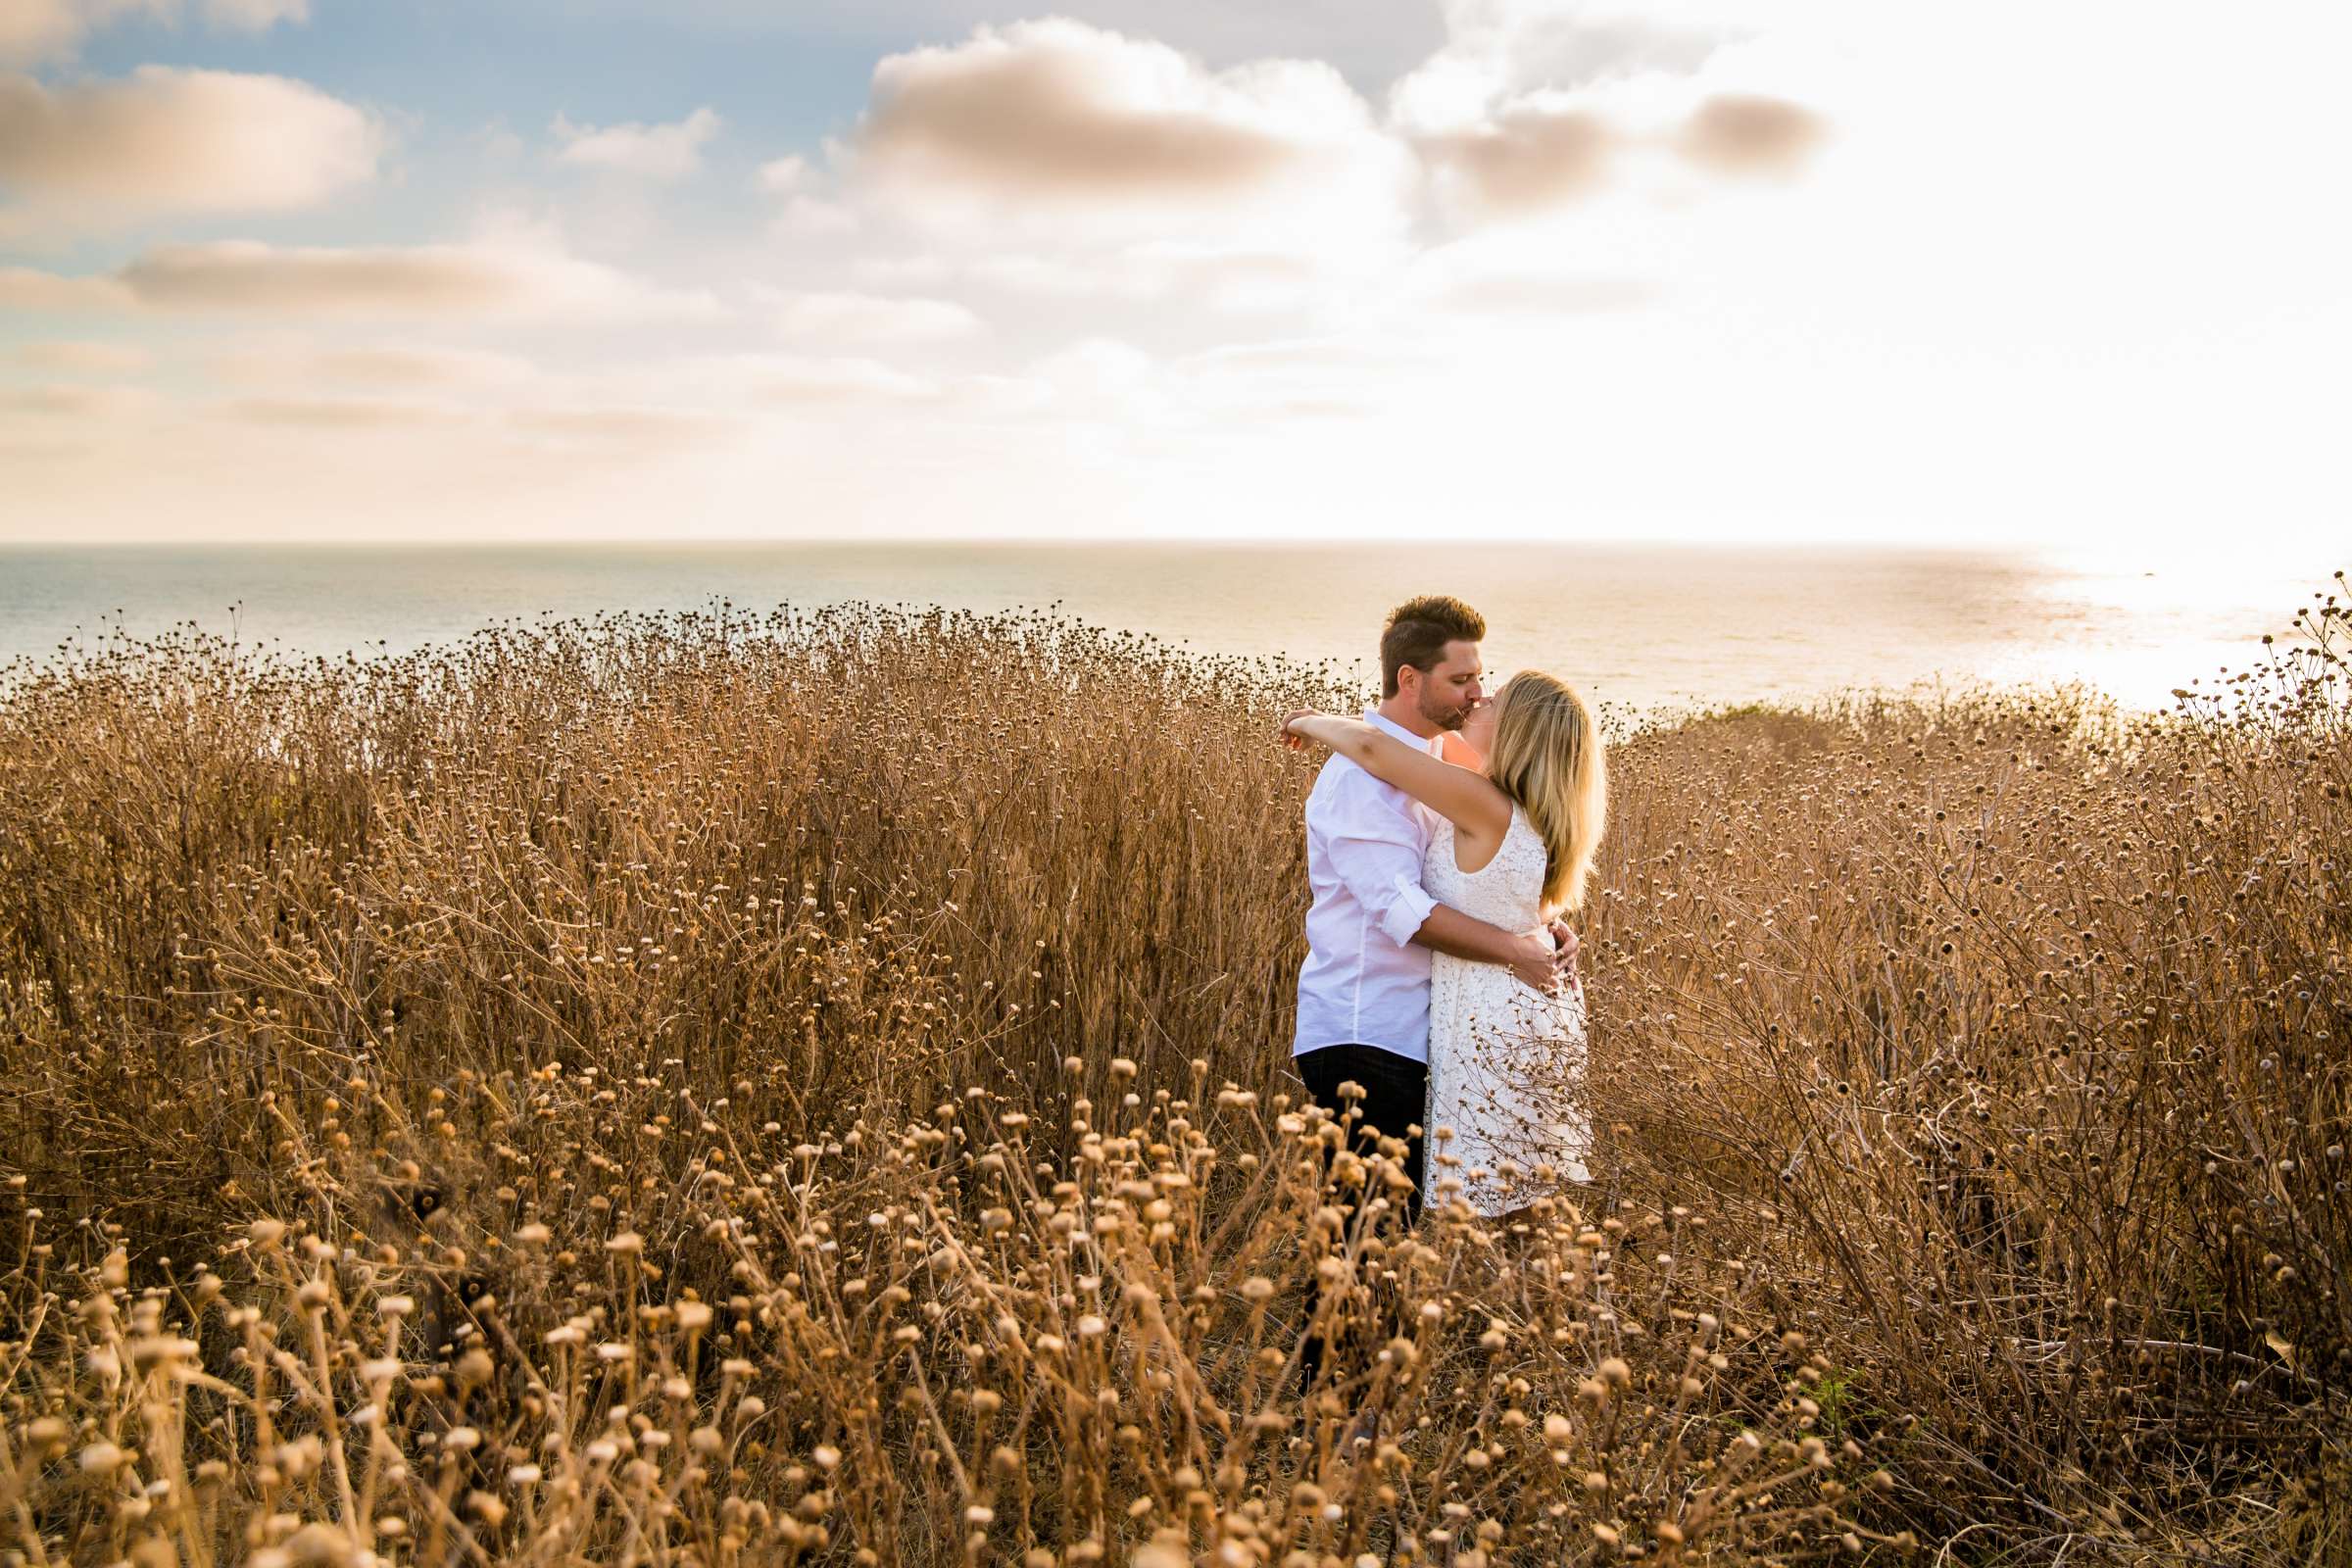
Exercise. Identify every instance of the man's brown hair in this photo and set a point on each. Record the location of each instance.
(1418, 631)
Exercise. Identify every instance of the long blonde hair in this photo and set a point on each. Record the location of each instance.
(1548, 759)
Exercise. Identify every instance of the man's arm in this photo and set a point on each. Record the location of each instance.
(1377, 856)
(1527, 954)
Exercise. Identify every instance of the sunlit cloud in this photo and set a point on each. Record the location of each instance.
(807, 381)
(786, 175)
(1217, 277)
(477, 280)
(31, 291)
(255, 16)
(1532, 296)
(869, 317)
(37, 30)
(1332, 356)
(1535, 104)
(657, 152)
(634, 428)
(301, 363)
(347, 414)
(1057, 108)
(79, 357)
(73, 401)
(1555, 264)
(34, 30)
(163, 142)
(394, 280)
(1527, 156)
(1747, 133)
(1057, 129)
(811, 205)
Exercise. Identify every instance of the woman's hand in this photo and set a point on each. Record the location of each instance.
(1544, 957)
(1564, 950)
(1288, 737)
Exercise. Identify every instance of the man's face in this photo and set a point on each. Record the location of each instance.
(1451, 687)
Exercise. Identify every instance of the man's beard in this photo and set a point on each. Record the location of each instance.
(1452, 719)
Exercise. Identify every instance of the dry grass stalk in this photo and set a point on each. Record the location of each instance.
(753, 1089)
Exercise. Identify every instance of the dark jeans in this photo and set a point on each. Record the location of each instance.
(1394, 1099)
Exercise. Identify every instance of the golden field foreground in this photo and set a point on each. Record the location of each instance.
(812, 1087)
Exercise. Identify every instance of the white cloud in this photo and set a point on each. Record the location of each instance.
(1222, 277)
(870, 318)
(1062, 161)
(1073, 277)
(32, 291)
(1693, 265)
(812, 208)
(783, 176)
(39, 29)
(1525, 155)
(1500, 50)
(348, 414)
(477, 280)
(633, 429)
(1057, 129)
(790, 380)
(255, 16)
(1750, 133)
(657, 152)
(1058, 109)
(164, 141)
(1615, 253)
(1371, 42)
(1537, 104)
(34, 30)
(69, 401)
(1097, 368)
(1308, 356)
(813, 216)
(305, 363)
(82, 357)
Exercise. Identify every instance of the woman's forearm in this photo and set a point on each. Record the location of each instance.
(1349, 737)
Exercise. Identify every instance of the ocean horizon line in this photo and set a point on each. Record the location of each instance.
(1681, 544)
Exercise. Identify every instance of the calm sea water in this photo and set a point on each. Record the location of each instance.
(1640, 624)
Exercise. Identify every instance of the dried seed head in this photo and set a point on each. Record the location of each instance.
(319, 1545)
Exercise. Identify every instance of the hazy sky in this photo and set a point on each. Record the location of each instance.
(324, 270)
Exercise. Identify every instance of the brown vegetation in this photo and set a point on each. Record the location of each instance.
(721, 1089)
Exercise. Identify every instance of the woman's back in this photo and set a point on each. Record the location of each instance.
(1505, 1062)
(1507, 891)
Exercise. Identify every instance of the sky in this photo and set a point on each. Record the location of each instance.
(324, 271)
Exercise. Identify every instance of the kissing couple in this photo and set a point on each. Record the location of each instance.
(1447, 835)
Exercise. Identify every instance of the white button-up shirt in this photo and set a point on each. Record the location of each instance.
(1364, 982)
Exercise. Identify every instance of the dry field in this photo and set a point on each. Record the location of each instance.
(736, 1089)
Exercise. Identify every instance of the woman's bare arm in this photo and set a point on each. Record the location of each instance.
(1468, 799)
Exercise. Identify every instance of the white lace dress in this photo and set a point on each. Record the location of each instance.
(1506, 1063)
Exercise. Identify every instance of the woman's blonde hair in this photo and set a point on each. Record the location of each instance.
(1548, 759)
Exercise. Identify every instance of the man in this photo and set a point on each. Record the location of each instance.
(1363, 992)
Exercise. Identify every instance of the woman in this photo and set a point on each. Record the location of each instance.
(1514, 846)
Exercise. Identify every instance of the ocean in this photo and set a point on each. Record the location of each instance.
(1641, 625)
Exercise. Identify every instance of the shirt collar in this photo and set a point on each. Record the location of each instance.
(1434, 745)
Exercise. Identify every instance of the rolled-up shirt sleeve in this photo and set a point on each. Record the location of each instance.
(1376, 851)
